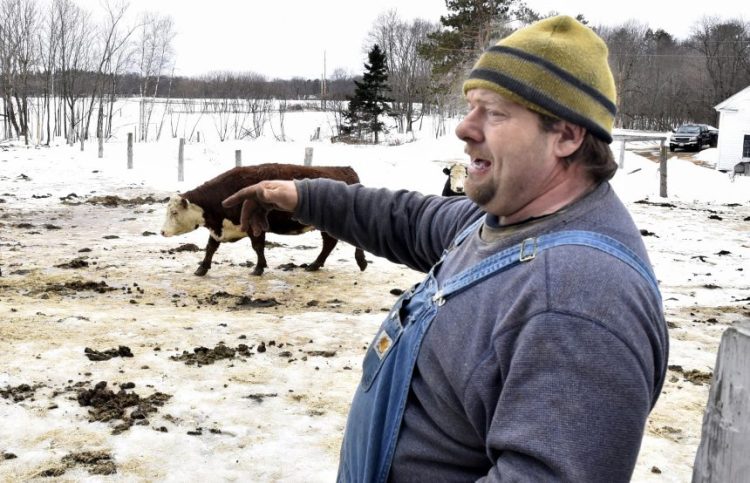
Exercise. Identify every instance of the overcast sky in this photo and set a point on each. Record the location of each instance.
(288, 38)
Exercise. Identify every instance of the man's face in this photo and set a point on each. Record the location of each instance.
(512, 166)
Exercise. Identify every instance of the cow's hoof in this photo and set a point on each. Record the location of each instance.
(313, 267)
(257, 272)
(361, 262)
(201, 271)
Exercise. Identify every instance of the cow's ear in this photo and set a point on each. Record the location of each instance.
(446, 171)
(184, 202)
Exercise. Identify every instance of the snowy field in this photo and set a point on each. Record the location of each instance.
(230, 377)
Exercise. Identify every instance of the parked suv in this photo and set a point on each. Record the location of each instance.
(691, 136)
(713, 135)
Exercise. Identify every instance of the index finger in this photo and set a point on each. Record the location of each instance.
(248, 193)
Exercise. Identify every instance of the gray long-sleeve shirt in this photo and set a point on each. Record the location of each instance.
(545, 372)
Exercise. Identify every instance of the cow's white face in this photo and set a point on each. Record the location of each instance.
(182, 217)
(458, 176)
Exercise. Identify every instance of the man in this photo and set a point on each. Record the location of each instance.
(536, 346)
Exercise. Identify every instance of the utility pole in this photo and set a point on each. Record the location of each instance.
(323, 85)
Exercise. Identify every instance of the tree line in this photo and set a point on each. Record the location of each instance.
(61, 71)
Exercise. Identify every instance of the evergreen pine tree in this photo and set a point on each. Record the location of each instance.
(369, 103)
(469, 26)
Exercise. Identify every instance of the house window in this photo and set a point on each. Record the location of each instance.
(746, 146)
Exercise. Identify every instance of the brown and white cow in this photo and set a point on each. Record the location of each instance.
(202, 207)
(454, 185)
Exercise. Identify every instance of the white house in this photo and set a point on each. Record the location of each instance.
(734, 133)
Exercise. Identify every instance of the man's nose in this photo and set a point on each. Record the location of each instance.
(468, 129)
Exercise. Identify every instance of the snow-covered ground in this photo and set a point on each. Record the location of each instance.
(82, 267)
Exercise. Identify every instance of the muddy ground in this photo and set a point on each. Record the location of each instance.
(105, 328)
(108, 342)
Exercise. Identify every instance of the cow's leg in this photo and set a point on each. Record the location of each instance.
(259, 245)
(211, 248)
(329, 243)
(359, 256)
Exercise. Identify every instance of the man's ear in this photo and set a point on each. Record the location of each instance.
(569, 138)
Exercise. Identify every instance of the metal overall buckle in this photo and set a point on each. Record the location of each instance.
(529, 253)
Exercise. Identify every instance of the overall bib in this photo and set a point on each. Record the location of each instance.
(378, 406)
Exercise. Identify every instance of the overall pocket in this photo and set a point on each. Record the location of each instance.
(381, 347)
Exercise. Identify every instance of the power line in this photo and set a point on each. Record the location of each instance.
(681, 56)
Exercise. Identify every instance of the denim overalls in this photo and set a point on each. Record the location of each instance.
(378, 406)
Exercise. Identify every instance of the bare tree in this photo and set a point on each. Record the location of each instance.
(222, 112)
(112, 42)
(176, 109)
(408, 73)
(167, 105)
(336, 104)
(8, 69)
(122, 61)
(48, 41)
(197, 121)
(259, 113)
(155, 57)
(241, 114)
(282, 108)
(626, 51)
(19, 59)
(74, 34)
(725, 48)
(663, 83)
(666, 93)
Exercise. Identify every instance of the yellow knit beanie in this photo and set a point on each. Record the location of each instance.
(556, 66)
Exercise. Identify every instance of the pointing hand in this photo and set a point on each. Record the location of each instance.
(258, 199)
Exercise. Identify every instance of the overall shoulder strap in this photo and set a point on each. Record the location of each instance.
(466, 232)
(606, 244)
(529, 248)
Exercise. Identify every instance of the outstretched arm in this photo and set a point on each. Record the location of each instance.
(405, 227)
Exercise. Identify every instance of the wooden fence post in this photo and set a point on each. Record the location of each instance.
(725, 439)
(238, 157)
(622, 155)
(181, 161)
(663, 170)
(308, 156)
(130, 150)
(101, 147)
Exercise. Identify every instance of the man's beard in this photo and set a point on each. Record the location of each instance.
(480, 195)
